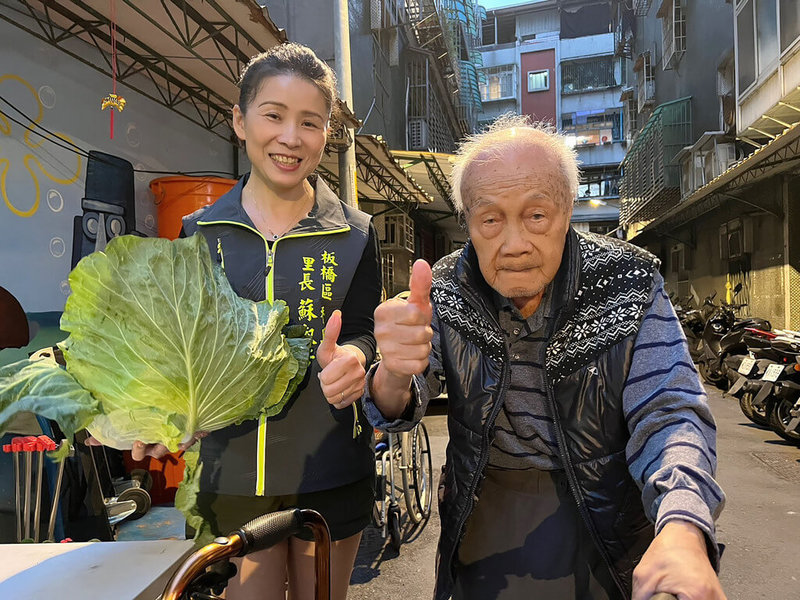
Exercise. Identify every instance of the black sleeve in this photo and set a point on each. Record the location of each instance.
(362, 299)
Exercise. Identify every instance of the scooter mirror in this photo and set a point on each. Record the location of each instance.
(738, 288)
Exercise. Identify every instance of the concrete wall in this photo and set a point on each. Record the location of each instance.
(39, 204)
(540, 105)
(761, 273)
(590, 45)
(709, 31)
(379, 88)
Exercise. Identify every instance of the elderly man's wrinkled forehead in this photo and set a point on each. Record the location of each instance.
(511, 165)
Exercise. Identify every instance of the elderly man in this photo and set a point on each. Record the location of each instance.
(582, 450)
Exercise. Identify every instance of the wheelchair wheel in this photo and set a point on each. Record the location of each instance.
(418, 476)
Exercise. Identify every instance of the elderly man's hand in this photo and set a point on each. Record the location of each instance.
(676, 562)
(403, 328)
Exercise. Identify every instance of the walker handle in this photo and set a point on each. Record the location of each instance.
(267, 530)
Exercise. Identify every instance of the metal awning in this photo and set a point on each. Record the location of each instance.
(780, 155)
(772, 123)
(186, 56)
(381, 177)
(432, 171)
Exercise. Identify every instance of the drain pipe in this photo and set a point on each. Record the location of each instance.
(347, 159)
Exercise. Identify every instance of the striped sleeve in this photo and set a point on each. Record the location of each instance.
(672, 449)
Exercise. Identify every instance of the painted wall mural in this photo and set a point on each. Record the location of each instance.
(22, 205)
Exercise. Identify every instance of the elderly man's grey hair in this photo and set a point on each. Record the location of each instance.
(510, 132)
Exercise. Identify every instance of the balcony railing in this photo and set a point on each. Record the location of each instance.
(651, 175)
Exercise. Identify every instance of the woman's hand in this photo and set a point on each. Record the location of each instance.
(342, 375)
(141, 450)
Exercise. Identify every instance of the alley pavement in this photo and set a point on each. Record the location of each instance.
(759, 527)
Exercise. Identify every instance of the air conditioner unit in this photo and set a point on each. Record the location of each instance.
(417, 134)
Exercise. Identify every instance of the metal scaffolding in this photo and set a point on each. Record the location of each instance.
(187, 57)
(442, 70)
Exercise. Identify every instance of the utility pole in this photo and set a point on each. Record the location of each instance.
(347, 159)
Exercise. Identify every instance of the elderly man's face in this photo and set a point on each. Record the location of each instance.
(517, 220)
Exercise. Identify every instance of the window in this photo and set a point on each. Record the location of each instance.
(766, 33)
(603, 185)
(673, 30)
(587, 75)
(489, 31)
(387, 272)
(499, 83)
(538, 81)
(631, 119)
(593, 127)
(761, 37)
(506, 30)
(790, 22)
(399, 232)
(746, 49)
(645, 80)
(586, 20)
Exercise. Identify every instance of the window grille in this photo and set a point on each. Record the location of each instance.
(587, 75)
(399, 232)
(499, 83)
(387, 272)
(673, 29)
(646, 80)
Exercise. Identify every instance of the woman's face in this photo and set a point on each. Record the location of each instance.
(284, 130)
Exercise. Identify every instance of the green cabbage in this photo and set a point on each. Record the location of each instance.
(160, 347)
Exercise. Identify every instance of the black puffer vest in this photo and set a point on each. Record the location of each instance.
(606, 284)
(310, 445)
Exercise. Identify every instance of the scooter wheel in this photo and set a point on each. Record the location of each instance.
(779, 414)
(750, 411)
(711, 378)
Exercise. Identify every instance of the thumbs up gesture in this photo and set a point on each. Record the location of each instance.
(342, 374)
(403, 328)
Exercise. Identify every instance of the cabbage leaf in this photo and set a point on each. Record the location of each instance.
(160, 347)
(161, 340)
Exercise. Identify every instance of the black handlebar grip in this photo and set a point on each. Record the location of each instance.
(267, 530)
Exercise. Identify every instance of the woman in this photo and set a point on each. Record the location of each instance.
(281, 233)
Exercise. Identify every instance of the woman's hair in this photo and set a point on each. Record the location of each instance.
(287, 59)
(510, 132)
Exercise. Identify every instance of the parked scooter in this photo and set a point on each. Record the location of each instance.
(769, 376)
(693, 321)
(723, 339)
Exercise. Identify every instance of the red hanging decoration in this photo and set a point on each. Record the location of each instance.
(113, 101)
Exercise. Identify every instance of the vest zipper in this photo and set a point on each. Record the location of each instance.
(269, 290)
(220, 255)
(572, 479)
(484, 457)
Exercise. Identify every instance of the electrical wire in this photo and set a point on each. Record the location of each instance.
(74, 148)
